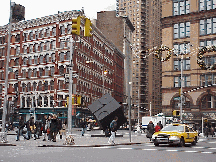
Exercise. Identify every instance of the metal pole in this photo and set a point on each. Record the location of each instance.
(6, 77)
(103, 80)
(181, 87)
(202, 125)
(150, 110)
(129, 115)
(70, 88)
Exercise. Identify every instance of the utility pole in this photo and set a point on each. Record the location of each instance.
(70, 87)
(181, 87)
(4, 137)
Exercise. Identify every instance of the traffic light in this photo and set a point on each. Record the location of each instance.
(87, 28)
(76, 25)
(79, 100)
(176, 113)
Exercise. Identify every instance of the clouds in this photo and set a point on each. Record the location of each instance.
(40, 8)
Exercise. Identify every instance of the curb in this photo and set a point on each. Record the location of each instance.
(136, 143)
(6, 144)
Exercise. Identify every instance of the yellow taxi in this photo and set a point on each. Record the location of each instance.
(175, 134)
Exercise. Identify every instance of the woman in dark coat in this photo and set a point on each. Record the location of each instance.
(54, 128)
(150, 129)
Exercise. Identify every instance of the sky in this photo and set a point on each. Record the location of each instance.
(40, 8)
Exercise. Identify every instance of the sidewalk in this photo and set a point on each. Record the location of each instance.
(80, 141)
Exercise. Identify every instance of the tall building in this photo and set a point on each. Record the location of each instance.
(119, 29)
(187, 27)
(39, 62)
(145, 16)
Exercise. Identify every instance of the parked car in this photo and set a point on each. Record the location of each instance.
(175, 134)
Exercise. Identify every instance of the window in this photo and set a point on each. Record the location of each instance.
(62, 44)
(36, 47)
(182, 48)
(16, 74)
(0, 88)
(30, 60)
(29, 73)
(61, 70)
(36, 34)
(24, 61)
(40, 86)
(24, 49)
(186, 81)
(46, 85)
(61, 56)
(208, 26)
(181, 30)
(52, 70)
(51, 101)
(41, 47)
(207, 4)
(181, 7)
(46, 71)
(47, 46)
(208, 102)
(17, 62)
(53, 57)
(42, 33)
(34, 86)
(52, 85)
(17, 38)
(25, 36)
(23, 87)
(53, 44)
(186, 64)
(28, 101)
(60, 83)
(40, 72)
(47, 58)
(47, 32)
(69, 29)
(17, 50)
(24, 73)
(35, 60)
(53, 31)
(207, 79)
(45, 101)
(68, 55)
(62, 30)
(35, 73)
(29, 87)
(31, 48)
(39, 101)
(41, 58)
(31, 35)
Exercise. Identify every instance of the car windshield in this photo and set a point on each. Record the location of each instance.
(173, 128)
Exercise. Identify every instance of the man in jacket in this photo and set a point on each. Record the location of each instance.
(54, 128)
(150, 129)
(113, 127)
(20, 128)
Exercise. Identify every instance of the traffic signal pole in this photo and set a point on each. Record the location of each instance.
(70, 87)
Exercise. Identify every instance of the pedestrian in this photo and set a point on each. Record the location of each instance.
(161, 126)
(54, 128)
(48, 127)
(157, 127)
(63, 130)
(44, 127)
(20, 128)
(113, 127)
(33, 127)
(83, 126)
(150, 130)
(28, 134)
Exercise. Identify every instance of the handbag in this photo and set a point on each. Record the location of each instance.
(48, 130)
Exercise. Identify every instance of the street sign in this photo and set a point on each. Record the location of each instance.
(177, 98)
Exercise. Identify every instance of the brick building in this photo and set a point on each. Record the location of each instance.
(187, 26)
(39, 60)
(119, 30)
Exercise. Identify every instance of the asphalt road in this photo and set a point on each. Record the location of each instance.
(205, 150)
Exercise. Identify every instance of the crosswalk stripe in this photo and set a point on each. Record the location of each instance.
(172, 150)
(149, 149)
(190, 151)
(125, 148)
(206, 152)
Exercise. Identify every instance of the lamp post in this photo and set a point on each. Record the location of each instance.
(4, 134)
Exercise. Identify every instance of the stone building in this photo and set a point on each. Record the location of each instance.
(39, 60)
(187, 27)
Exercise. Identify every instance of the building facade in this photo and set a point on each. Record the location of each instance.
(119, 29)
(145, 16)
(39, 61)
(188, 26)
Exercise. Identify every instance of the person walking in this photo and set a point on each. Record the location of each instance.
(44, 127)
(113, 127)
(157, 127)
(28, 134)
(54, 128)
(83, 126)
(161, 126)
(150, 130)
(20, 128)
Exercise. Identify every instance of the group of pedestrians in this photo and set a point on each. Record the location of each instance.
(48, 128)
(151, 129)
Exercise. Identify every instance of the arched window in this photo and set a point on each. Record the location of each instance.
(34, 86)
(23, 102)
(51, 101)
(45, 101)
(46, 85)
(61, 70)
(28, 102)
(29, 87)
(23, 87)
(39, 101)
(40, 86)
(208, 102)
